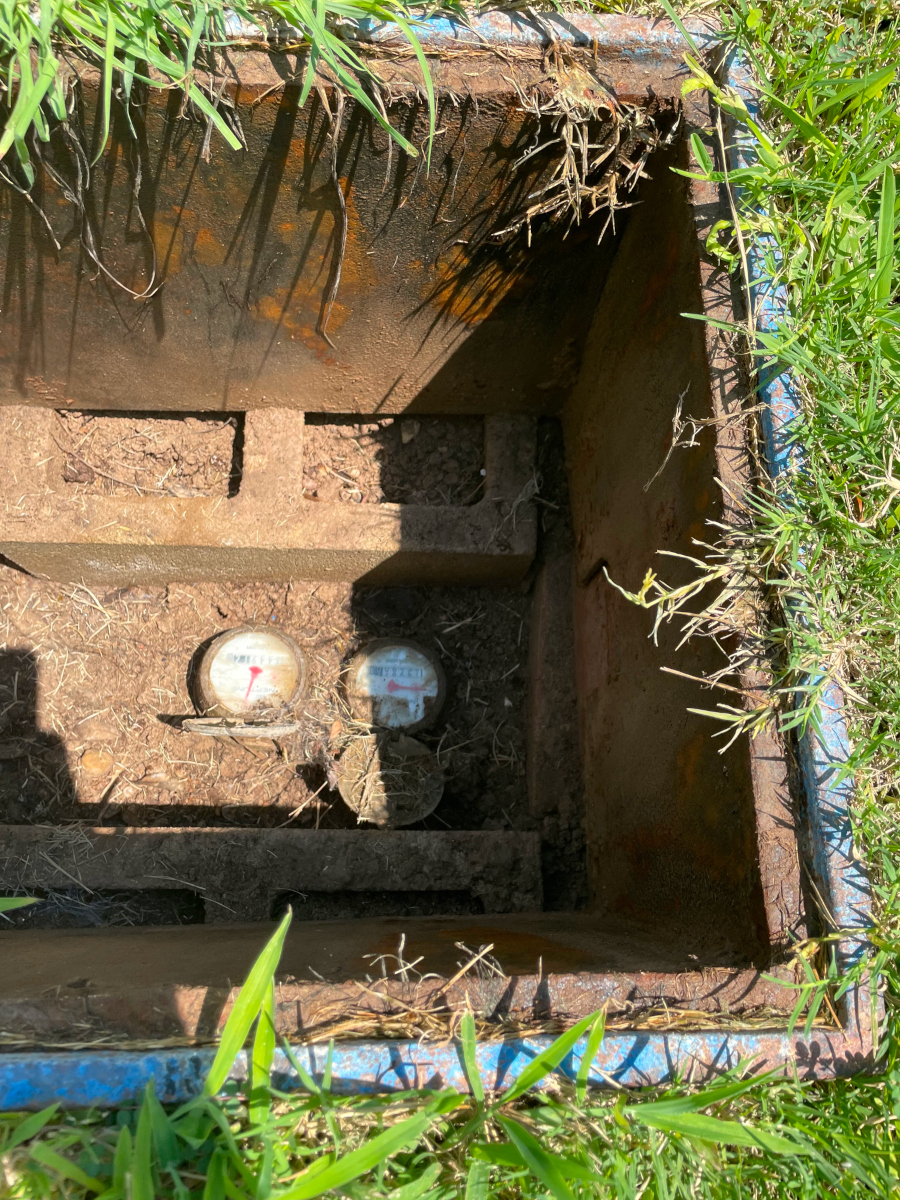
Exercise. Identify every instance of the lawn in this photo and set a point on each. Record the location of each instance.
(820, 203)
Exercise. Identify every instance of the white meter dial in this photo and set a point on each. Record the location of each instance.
(395, 684)
(251, 672)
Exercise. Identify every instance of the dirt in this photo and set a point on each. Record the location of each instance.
(123, 454)
(481, 638)
(402, 460)
(94, 687)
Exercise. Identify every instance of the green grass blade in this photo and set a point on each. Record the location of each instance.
(426, 78)
(725, 1133)
(262, 1058)
(141, 1170)
(302, 1074)
(507, 1155)
(885, 242)
(707, 1097)
(109, 66)
(65, 1169)
(122, 1160)
(679, 25)
(28, 1128)
(477, 1180)
(548, 1060)
(9, 903)
(247, 1007)
(31, 93)
(214, 1188)
(594, 1042)
(540, 1163)
(470, 1060)
(358, 1162)
(196, 31)
(419, 1187)
(264, 1173)
(165, 1139)
(207, 107)
(326, 1070)
(702, 155)
(809, 131)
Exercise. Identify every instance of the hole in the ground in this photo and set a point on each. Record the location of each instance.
(397, 460)
(145, 453)
(346, 905)
(574, 768)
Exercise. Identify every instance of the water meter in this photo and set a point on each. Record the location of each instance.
(395, 684)
(252, 674)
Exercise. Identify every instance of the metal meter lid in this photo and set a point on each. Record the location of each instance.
(252, 671)
(389, 779)
(396, 684)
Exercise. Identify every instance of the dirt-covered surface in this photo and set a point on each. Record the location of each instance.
(94, 686)
(118, 455)
(399, 460)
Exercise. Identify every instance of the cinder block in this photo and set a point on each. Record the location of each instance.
(268, 531)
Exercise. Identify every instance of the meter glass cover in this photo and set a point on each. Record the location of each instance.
(253, 669)
(397, 680)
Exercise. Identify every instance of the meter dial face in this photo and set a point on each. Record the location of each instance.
(250, 670)
(395, 684)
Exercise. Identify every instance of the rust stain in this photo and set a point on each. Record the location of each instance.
(208, 250)
(169, 243)
(297, 315)
(465, 292)
(297, 311)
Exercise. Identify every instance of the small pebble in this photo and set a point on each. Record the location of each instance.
(408, 430)
(97, 762)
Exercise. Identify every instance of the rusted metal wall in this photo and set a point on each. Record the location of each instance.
(230, 278)
(671, 821)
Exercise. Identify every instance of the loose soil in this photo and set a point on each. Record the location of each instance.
(402, 460)
(123, 454)
(94, 685)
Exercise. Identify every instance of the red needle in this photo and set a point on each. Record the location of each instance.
(393, 686)
(254, 673)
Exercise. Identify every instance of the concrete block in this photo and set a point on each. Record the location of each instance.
(268, 531)
(240, 872)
